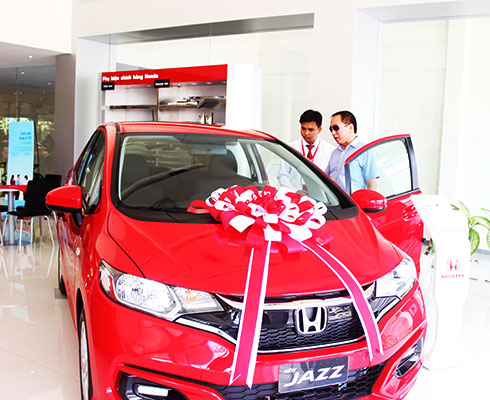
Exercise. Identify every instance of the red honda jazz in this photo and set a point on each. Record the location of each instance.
(206, 263)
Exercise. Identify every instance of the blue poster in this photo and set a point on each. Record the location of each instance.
(21, 152)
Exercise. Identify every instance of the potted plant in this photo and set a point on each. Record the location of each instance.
(479, 272)
(473, 222)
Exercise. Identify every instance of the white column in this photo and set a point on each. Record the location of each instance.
(64, 113)
(453, 133)
(93, 58)
(345, 61)
(244, 97)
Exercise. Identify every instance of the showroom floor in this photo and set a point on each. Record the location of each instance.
(38, 344)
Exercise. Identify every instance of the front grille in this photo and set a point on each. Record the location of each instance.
(278, 332)
(359, 384)
(288, 338)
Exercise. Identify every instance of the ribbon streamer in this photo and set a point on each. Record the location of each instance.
(267, 219)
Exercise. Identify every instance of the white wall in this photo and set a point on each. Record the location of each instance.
(434, 85)
(411, 94)
(43, 24)
(474, 187)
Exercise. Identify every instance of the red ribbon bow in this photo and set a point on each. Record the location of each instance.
(264, 219)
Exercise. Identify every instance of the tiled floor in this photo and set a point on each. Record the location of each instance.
(38, 344)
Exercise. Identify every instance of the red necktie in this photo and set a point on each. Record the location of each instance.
(310, 155)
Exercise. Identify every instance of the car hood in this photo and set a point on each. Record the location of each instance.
(196, 256)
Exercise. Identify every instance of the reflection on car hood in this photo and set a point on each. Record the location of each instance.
(196, 257)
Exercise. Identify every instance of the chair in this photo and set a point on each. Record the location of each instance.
(35, 204)
(221, 173)
(53, 180)
(135, 169)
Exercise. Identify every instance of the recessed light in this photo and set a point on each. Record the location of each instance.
(22, 72)
(49, 83)
(29, 56)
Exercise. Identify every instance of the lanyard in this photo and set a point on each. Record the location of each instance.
(314, 153)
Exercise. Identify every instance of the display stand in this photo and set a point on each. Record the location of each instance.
(449, 231)
(213, 94)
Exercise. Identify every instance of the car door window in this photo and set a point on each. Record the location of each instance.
(397, 180)
(394, 175)
(90, 178)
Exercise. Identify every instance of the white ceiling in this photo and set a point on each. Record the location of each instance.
(12, 55)
(27, 75)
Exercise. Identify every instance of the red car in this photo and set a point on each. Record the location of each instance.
(156, 284)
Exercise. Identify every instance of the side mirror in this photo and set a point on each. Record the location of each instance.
(369, 200)
(65, 199)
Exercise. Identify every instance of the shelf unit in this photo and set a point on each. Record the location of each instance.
(189, 94)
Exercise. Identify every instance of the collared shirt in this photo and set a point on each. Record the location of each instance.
(362, 168)
(321, 150)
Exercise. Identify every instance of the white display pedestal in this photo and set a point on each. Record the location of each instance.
(449, 231)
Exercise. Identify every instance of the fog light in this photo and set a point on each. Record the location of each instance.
(152, 392)
(410, 360)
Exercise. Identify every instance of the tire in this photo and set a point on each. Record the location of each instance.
(61, 282)
(86, 389)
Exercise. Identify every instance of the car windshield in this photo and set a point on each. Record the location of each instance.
(166, 172)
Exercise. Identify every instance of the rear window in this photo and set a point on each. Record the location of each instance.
(166, 172)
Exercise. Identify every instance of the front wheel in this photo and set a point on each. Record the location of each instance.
(84, 359)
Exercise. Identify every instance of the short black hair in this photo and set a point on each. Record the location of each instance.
(311, 116)
(347, 118)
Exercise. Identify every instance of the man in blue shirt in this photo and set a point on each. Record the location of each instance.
(363, 170)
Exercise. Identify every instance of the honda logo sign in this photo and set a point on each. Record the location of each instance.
(311, 319)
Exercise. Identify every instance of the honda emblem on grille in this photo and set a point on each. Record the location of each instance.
(311, 319)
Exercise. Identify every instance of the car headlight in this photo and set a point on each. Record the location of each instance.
(399, 281)
(164, 301)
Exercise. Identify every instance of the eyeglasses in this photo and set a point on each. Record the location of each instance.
(336, 127)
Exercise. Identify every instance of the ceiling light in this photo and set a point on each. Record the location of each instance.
(29, 57)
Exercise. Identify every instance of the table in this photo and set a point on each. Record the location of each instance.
(11, 189)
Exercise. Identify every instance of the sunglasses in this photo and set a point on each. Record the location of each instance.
(336, 127)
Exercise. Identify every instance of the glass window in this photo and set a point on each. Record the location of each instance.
(169, 171)
(27, 94)
(91, 174)
(391, 165)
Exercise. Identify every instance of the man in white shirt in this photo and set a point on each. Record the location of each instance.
(310, 145)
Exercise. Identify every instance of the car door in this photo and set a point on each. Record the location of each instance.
(397, 180)
(88, 175)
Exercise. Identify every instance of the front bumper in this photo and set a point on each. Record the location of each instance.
(131, 347)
